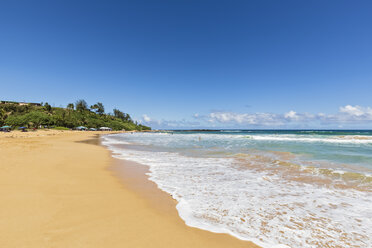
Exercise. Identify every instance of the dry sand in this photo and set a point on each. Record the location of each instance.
(58, 192)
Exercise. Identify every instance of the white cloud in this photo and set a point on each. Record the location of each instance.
(150, 121)
(291, 115)
(346, 114)
(357, 111)
(146, 118)
(350, 110)
(169, 124)
(253, 119)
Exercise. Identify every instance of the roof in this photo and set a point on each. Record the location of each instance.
(21, 103)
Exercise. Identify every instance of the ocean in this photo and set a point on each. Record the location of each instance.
(276, 188)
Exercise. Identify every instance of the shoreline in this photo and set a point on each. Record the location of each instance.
(58, 191)
(134, 176)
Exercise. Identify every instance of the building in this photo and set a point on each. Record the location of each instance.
(105, 129)
(21, 103)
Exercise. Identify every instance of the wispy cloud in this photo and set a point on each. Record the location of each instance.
(244, 118)
(346, 115)
(356, 113)
(146, 118)
(169, 124)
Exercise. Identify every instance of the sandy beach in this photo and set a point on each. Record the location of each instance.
(58, 191)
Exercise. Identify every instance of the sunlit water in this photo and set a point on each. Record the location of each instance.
(275, 188)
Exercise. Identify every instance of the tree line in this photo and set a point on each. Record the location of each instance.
(74, 115)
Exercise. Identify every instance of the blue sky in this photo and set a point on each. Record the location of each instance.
(195, 64)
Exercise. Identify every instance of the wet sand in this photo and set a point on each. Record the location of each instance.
(58, 191)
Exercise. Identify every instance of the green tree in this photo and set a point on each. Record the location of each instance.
(47, 107)
(70, 106)
(128, 118)
(33, 116)
(99, 108)
(123, 116)
(119, 114)
(16, 121)
(2, 116)
(81, 105)
(37, 118)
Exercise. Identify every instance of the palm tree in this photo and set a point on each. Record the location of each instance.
(81, 105)
(99, 108)
(119, 114)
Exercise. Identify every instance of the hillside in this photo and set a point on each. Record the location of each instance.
(79, 114)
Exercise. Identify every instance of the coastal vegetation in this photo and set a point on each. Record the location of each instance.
(79, 114)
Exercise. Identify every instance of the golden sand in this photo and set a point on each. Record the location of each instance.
(58, 192)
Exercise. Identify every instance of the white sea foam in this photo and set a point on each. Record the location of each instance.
(218, 195)
(351, 139)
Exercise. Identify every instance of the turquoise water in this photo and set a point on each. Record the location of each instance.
(346, 149)
(287, 188)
